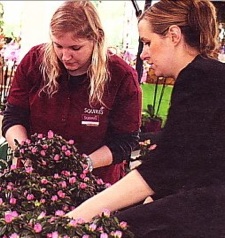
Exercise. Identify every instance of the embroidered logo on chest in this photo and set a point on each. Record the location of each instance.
(94, 111)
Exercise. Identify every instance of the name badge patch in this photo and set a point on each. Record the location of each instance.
(90, 120)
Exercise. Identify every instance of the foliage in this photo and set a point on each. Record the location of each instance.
(150, 113)
(55, 179)
(150, 122)
(4, 155)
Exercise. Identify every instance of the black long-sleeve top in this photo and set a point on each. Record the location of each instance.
(191, 149)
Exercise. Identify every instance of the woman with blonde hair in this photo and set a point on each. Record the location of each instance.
(185, 172)
(79, 90)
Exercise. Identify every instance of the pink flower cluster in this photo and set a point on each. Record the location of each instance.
(35, 198)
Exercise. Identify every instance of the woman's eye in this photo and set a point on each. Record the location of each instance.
(76, 48)
(147, 43)
(58, 46)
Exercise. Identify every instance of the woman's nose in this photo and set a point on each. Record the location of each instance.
(144, 54)
(66, 55)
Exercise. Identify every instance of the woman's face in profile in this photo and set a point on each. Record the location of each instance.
(75, 54)
(157, 49)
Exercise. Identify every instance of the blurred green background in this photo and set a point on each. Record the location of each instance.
(148, 91)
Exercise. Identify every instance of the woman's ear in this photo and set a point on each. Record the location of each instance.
(174, 32)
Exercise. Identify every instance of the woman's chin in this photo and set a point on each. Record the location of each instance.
(158, 74)
(70, 68)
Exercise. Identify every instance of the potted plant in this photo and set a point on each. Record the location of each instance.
(35, 198)
(151, 122)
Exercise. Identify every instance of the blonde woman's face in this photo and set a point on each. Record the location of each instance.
(74, 54)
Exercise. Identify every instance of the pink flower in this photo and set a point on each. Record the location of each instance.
(10, 216)
(117, 234)
(44, 181)
(59, 213)
(43, 190)
(14, 235)
(86, 179)
(107, 185)
(80, 221)
(92, 227)
(50, 134)
(85, 171)
(40, 136)
(12, 201)
(123, 224)
(104, 235)
(71, 142)
(82, 176)
(34, 150)
(83, 185)
(62, 184)
(42, 152)
(37, 227)
(10, 186)
(65, 208)
(106, 213)
(100, 228)
(73, 223)
(66, 173)
(67, 153)
(1, 201)
(54, 198)
(85, 236)
(21, 151)
(28, 141)
(45, 147)
(72, 180)
(56, 176)
(61, 194)
(85, 166)
(100, 181)
(30, 197)
(52, 219)
(56, 157)
(42, 201)
(29, 169)
(64, 148)
(12, 167)
(55, 234)
(43, 162)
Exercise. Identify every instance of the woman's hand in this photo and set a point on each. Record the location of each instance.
(129, 190)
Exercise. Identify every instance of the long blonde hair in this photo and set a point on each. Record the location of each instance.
(80, 18)
(196, 18)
